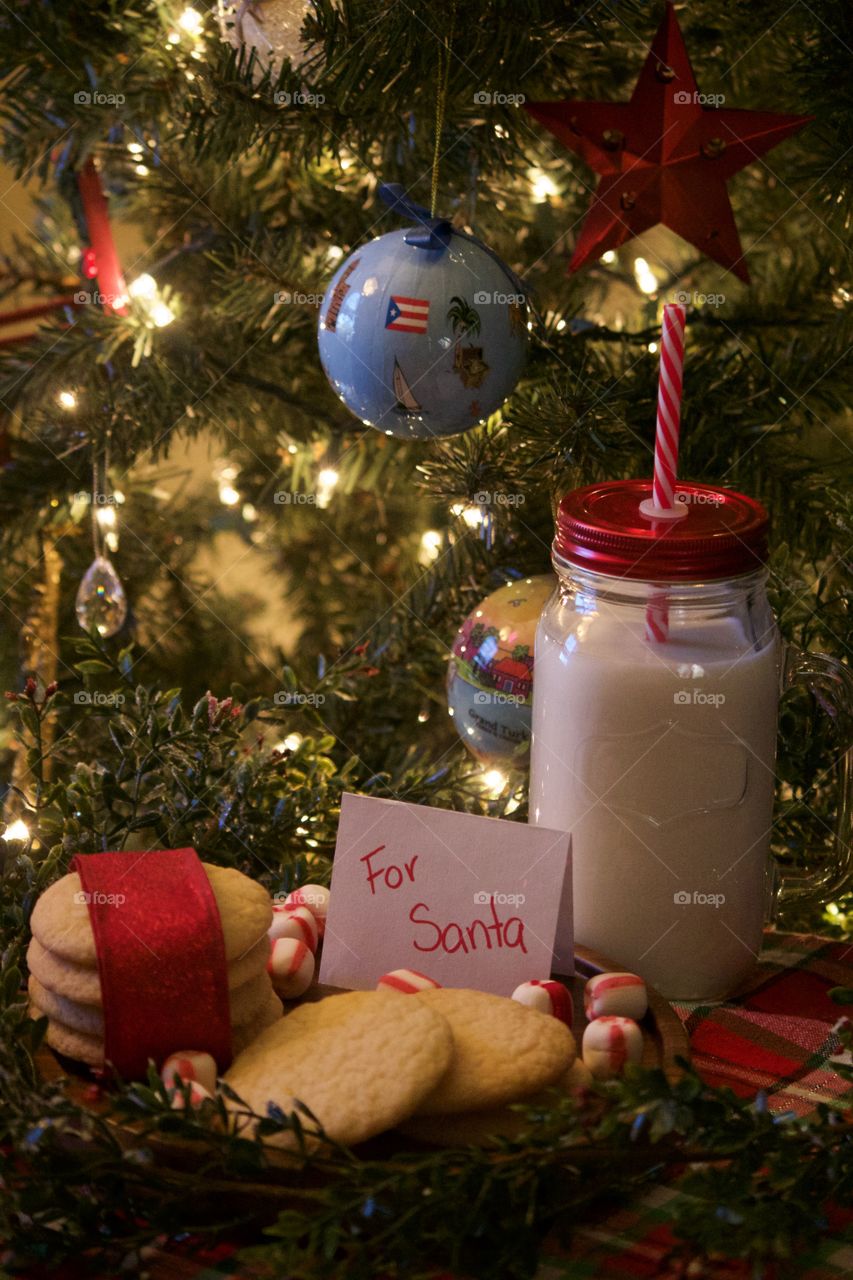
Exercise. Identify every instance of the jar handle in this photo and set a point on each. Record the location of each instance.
(831, 684)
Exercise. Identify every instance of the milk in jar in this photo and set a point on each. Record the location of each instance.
(658, 754)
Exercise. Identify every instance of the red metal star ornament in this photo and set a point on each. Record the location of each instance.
(665, 156)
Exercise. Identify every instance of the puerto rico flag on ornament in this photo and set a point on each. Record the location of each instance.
(407, 315)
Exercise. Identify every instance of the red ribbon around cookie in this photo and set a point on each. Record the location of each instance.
(161, 956)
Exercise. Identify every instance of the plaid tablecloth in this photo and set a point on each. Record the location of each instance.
(777, 1036)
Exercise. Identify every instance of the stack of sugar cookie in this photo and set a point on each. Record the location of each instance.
(64, 983)
(443, 1064)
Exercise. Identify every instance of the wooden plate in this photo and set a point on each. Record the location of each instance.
(664, 1041)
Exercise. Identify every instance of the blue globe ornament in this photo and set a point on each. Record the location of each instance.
(423, 332)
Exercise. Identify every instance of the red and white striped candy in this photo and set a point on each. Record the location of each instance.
(548, 997)
(294, 922)
(291, 967)
(189, 1065)
(316, 898)
(609, 1043)
(408, 981)
(198, 1095)
(615, 993)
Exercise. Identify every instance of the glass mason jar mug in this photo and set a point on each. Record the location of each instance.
(657, 677)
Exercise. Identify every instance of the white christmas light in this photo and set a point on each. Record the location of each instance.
(653, 346)
(430, 545)
(293, 741)
(326, 481)
(608, 257)
(162, 314)
(143, 170)
(228, 495)
(645, 277)
(67, 399)
(191, 21)
(135, 148)
(494, 781)
(143, 288)
(106, 517)
(17, 830)
(542, 186)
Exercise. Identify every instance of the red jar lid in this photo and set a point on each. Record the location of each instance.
(724, 533)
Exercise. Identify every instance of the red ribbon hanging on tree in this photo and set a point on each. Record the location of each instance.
(101, 259)
(161, 957)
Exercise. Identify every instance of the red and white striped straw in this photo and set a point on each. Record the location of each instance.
(669, 406)
(667, 433)
(657, 617)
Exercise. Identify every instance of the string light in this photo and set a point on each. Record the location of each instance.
(473, 516)
(144, 291)
(430, 546)
(494, 782)
(653, 346)
(67, 399)
(162, 314)
(542, 185)
(143, 170)
(228, 495)
(326, 481)
(17, 830)
(645, 277)
(608, 257)
(143, 288)
(191, 22)
(135, 148)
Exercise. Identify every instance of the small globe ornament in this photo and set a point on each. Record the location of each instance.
(273, 28)
(490, 678)
(423, 342)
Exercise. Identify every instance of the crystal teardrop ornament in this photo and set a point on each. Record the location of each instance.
(101, 601)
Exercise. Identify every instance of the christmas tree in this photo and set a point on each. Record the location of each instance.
(288, 580)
